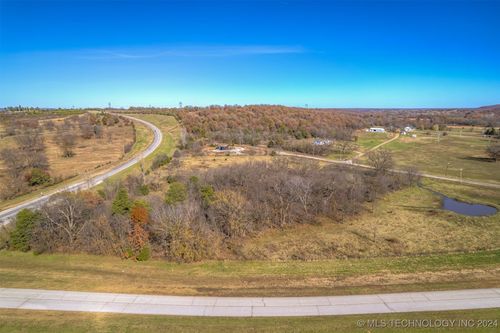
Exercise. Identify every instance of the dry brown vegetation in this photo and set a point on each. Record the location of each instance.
(405, 222)
(59, 148)
(254, 124)
(201, 215)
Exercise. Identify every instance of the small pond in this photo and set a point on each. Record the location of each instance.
(468, 209)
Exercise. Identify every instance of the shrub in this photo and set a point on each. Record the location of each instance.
(494, 151)
(128, 147)
(144, 189)
(144, 254)
(177, 153)
(38, 177)
(188, 244)
(177, 192)
(21, 235)
(207, 193)
(160, 160)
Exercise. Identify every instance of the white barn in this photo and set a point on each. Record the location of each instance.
(376, 129)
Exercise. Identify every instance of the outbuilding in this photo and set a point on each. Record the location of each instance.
(320, 142)
(376, 130)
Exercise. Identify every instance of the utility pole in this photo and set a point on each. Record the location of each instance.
(461, 175)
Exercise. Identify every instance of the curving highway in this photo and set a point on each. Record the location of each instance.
(7, 214)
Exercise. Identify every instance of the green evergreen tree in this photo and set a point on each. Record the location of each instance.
(121, 204)
(21, 235)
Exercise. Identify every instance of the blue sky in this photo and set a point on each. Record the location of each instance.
(321, 53)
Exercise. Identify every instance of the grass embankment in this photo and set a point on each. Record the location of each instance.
(250, 278)
(446, 157)
(52, 321)
(171, 132)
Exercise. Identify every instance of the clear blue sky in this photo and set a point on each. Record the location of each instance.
(320, 53)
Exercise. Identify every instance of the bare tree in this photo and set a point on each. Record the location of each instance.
(87, 131)
(229, 213)
(381, 160)
(63, 221)
(13, 160)
(30, 140)
(494, 151)
(302, 188)
(67, 142)
(412, 175)
(98, 131)
(345, 147)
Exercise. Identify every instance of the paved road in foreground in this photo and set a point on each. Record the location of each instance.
(34, 299)
(425, 175)
(7, 214)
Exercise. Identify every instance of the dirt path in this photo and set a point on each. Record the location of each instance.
(426, 175)
(377, 146)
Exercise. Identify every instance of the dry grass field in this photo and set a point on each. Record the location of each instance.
(206, 162)
(364, 142)
(405, 222)
(455, 151)
(90, 155)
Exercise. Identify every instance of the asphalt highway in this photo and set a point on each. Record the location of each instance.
(7, 214)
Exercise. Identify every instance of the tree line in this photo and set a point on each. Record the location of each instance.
(199, 215)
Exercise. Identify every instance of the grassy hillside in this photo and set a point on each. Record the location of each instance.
(250, 277)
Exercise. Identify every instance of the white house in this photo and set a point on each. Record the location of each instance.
(376, 129)
(319, 142)
(408, 129)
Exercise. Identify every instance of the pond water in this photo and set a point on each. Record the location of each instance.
(466, 208)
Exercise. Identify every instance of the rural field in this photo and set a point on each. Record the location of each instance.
(249, 166)
(406, 222)
(455, 151)
(89, 154)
